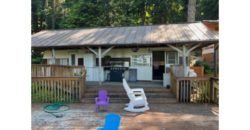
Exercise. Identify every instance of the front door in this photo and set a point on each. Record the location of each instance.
(158, 65)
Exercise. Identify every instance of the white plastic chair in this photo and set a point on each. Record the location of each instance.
(138, 101)
(192, 73)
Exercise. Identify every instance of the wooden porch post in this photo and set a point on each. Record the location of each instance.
(99, 54)
(184, 55)
(215, 60)
(100, 64)
(53, 56)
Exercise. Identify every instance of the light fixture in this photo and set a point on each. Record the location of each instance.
(135, 49)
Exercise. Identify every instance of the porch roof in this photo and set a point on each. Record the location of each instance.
(126, 36)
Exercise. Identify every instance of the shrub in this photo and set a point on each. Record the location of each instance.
(207, 67)
(38, 95)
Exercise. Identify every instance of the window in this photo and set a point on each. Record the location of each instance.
(80, 61)
(73, 62)
(59, 61)
(141, 60)
(44, 61)
(171, 57)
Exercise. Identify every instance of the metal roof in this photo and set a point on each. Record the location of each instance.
(134, 35)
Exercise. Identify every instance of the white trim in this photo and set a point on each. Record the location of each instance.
(107, 50)
(175, 48)
(191, 49)
(53, 56)
(92, 50)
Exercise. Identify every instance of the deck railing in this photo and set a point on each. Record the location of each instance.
(44, 70)
(215, 89)
(54, 83)
(195, 89)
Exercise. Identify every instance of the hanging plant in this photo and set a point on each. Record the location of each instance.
(106, 60)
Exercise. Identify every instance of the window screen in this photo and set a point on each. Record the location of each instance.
(171, 57)
(80, 61)
(73, 62)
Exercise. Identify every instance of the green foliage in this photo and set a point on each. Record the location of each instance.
(207, 10)
(207, 68)
(36, 60)
(99, 13)
(38, 95)
(204, 92)
(36, 57)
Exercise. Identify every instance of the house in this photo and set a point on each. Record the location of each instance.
(135, 52)
(210, 54)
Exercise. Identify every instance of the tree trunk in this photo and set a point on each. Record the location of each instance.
(46, 18)
(191, 10)
(53, 14)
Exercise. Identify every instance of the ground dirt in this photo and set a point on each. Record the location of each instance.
(159, 117)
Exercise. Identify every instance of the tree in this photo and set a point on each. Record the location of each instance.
(207, 10)
(62, 14)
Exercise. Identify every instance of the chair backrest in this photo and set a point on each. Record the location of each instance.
(125, 85)
(102, 95)
(112, 121)
(128, 90)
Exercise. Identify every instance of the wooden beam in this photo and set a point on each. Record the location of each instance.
(92, 50)
(175, 48)
(194, 47)
(106, 51)
(216, 46)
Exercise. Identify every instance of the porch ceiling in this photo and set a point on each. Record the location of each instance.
(141, 36)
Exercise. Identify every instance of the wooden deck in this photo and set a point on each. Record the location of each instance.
(159, 117)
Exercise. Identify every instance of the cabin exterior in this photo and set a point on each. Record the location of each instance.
(138, 53)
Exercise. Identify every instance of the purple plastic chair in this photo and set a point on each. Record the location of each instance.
(102, 100)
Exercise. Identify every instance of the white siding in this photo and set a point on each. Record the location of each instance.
(143, 72)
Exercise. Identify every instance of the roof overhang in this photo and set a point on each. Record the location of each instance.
(122, 37)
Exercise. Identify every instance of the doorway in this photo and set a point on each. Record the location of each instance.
(158, 65)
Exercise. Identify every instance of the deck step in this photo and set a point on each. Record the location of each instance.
(117, 93)
(124, 95)
(116, 89)
(131, 84)
(126, 100)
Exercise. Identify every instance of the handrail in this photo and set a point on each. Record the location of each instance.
(44, 70)
(53, 83)
(194, 89)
